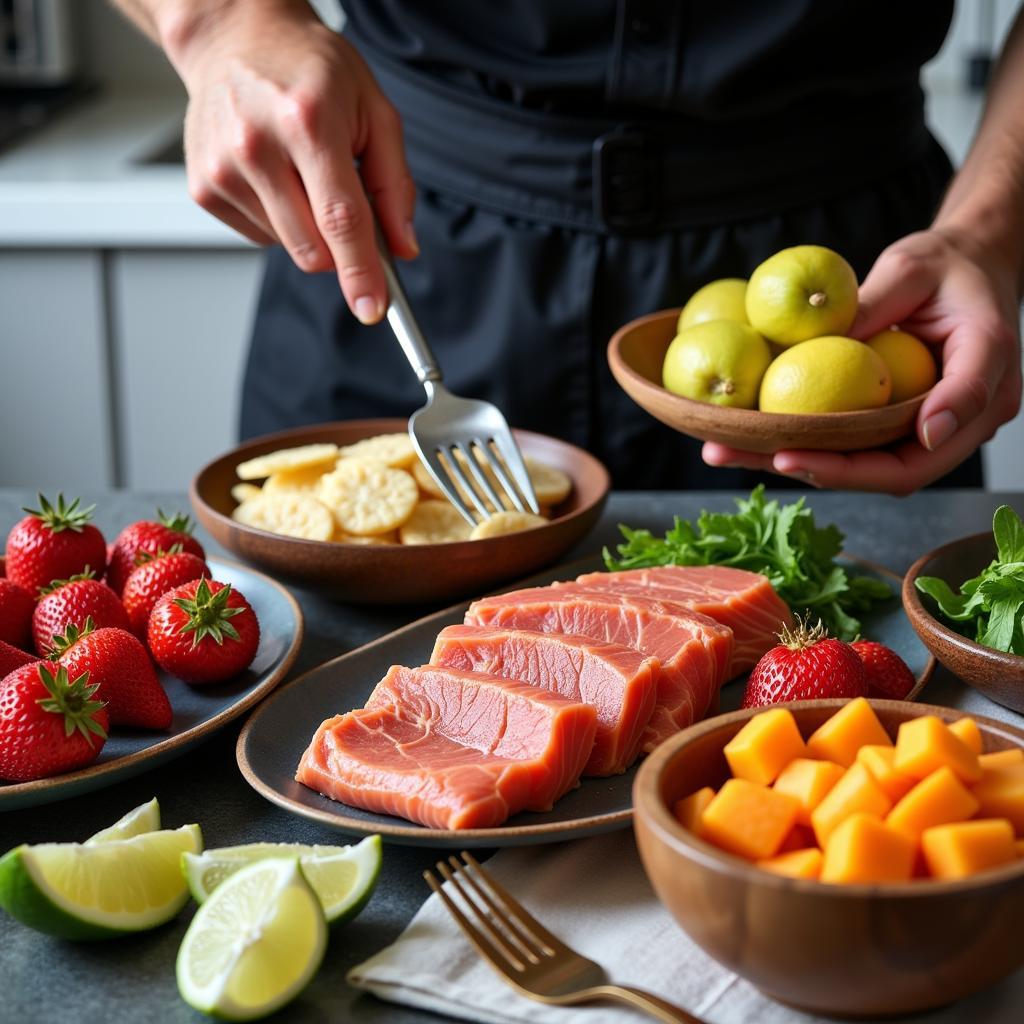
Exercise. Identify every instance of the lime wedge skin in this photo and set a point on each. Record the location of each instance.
(144, 818)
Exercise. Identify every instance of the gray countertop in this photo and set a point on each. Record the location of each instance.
(132, 980)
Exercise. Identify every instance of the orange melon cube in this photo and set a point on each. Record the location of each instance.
(800, 837)
(855, 792)
(689, 810)
(939, 799)
(1019, 846)
(967, 847)
(864, 849)
(796, 864)
(879, 761)
(840, 737)
(925, 744)
(1001, 759)
(764, 746)
(808, 781)
(966, 730)
(747, 819)
(1000, 794)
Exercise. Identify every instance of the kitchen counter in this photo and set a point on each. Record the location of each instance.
(133, 980)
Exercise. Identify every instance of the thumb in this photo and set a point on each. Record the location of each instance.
(895, 288)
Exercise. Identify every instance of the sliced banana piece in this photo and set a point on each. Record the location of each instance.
(368, 499)
(287, 458)
(394, 450)
(292, 514)
(502, 523)
(434, 522)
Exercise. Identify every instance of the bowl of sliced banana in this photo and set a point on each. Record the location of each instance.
(347, 509)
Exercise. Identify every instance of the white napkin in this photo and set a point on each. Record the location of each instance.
(593, 894)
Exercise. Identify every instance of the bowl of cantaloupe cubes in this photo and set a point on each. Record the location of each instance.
(860, 858)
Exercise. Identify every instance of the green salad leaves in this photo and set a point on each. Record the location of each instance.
(780, 541)
(991, 605)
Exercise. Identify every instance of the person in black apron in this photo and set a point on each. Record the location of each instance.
(578, 165)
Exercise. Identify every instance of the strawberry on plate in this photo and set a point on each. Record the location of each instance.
(807, 664)
(153, 577)
(149, 536)
(54, 543)
(203, 632)
(48, 723)
(69, 603)
(12, 658)
(120, 666)
(887, 673)
(16, 606)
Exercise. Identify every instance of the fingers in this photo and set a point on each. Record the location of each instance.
(721, 455)
(234, 203)
(899, 283)
(388, 181)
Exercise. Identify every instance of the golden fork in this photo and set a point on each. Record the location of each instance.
(525, 954)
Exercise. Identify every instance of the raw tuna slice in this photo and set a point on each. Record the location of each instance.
(451, 749)
(618, 681)
(743, 601)
(694, 650)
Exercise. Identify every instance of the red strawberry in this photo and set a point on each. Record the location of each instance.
(54, 544)
(16, 606)
(48, 725)
(12, 658)
(152, 537)
(887, 673)
(69, 603)
(152, 578)
(121, 667)
(807, 664)
(203, 632)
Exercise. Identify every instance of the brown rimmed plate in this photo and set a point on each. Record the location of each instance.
(636, 354)
(273, 740)
(198, 711)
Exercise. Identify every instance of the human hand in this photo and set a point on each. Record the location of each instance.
(280, 107)
(938, 286)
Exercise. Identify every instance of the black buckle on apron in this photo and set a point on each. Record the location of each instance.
(627, 179)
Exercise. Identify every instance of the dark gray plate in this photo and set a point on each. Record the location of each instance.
(274, 738)
(198, 711)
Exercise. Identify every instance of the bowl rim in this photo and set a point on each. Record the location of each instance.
(386, 550)
(647, 803)
(915, 607)
(740, 417)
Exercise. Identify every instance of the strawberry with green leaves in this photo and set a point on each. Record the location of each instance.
(54, 542)
(149, 536)
(69, 603)
(203, 632)
(49, 724)
(153, 577)
(16, 607)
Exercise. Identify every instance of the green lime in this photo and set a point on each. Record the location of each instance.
(254, 944)
(76, 891)
(144, 818)
(343, 877)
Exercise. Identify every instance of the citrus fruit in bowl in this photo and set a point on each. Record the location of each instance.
(725, 299)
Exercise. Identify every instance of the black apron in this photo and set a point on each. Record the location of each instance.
(543, 230)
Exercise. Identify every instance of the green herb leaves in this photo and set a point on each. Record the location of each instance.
(991, 605)
(780, 541)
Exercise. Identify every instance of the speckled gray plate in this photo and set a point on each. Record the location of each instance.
(274, 738)
(198, 711)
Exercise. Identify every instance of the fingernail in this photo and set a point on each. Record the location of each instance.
(938, 429)
(410, 237)
(367, 310)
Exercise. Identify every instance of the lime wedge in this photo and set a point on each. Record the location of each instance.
(144, 818)
(343, 877)
(254, 944)
(77, 891)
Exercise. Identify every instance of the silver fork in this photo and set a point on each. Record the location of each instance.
(449, 426)
(525, 954)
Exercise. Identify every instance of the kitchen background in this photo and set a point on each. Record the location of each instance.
(125, 309)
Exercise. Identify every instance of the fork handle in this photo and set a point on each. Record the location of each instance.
(402, 321)
(658, 1008)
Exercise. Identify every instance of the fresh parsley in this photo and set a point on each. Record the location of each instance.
(991, 605)
(780, 541)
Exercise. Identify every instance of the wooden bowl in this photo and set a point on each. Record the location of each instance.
(636, 354)
(997, 674)
(844, 950)
(400, 574)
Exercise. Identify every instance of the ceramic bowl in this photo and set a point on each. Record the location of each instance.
(843, 950)
(400, 574)
(998, 675)
(636, 354)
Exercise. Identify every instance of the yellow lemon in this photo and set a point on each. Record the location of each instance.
(804, 292)
(830, 374)
(720, 300)
(910, 363)
(718, 361)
